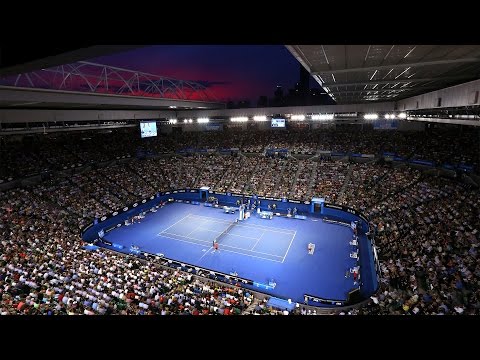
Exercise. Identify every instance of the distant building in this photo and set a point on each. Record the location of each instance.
(262, 101)
(243, 104)
(304, 83)
(278, 98)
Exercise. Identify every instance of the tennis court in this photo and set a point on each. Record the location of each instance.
(252, 240)
(256, 249)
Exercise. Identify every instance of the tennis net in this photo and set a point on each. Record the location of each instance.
(225, 232)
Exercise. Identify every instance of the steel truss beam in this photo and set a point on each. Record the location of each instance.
(103, 79)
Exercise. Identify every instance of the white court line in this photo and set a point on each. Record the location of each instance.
(211, 247)
(273, 229)
(259, 257)
(211, 218)
(243, 236)
(219, 232)
(262, 227)
(230, 246)
(194, 229)
(257, 241)
(188, 237)
(250, 225)
(214, 231)
(289, 247)
(223, 245)
(257, 252)
(235, 252)
(190, 242)
(266, 228)
(174, 224)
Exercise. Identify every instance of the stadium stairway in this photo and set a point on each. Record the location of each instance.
(251, 307)
(297, 173)
(374, 182)
(312, 180)
(290, 156)
(398, 190)
(345, 184)
(117, 185)
(47, 200)
(248, 186)
(112, 193)
(99, 200)
(279, 177)
(412, 207)
(475, 178)
(132, 170)
(230, 173)
(264, 152)
(310, 157)
(225, 174)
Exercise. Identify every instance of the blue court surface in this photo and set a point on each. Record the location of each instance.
(258, 249)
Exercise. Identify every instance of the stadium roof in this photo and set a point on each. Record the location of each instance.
(360, 73)
(22, 98)
(351, 74)
(18, 59)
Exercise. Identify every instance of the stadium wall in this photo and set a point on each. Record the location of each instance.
(366, 107)
(454, 96)
(368, 264)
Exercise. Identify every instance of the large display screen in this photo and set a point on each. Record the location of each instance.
(278, 123)
(148, 129)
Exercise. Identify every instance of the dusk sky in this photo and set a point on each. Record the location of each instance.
(233, 72)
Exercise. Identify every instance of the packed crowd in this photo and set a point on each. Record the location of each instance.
(44, 270)
(426, 233)
(428, 240)
(43, 153)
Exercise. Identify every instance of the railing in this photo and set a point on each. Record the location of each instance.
(107, 222)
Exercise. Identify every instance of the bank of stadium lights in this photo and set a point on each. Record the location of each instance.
(370, 116)
(260, 118)
(322, 117)
(393, 116)
(239, 119)
(298, 117)
(187, 121)
(172, 121)
(203, 120)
